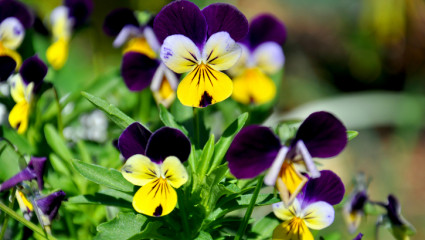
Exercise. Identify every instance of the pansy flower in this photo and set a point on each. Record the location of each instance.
(14, 19)
(353, 210)
(154, 162)
(23, 87)
(63, 19)
(397, 224)
(48, 207)
(311, 209)
(256, 148)
(262, 55)
(34, 170)
(141, 66)
(202, 44)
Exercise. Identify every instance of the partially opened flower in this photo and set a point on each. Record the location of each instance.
(34, 170)
(257, 148)
(262, 55)
(202, 44)
(23, 87)
(63, 20)
(141, 66)
(353, 210)
(49, 207)
(14, 19)
(397, 224)
(154, 161)
(311, 209)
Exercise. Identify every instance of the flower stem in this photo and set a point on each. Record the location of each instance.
(60, 125)
(244, 224)
(196, 121)
(182, 207)
(6, 217)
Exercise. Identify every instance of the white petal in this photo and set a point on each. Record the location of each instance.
(11, 33)
(161, 72)
(269, 57)
(286, 213)
(151, 38)
(61, 23)
(127, 32)
(179, 53)
(221, 52)
(273, 172)
(245, 61)
(308, 161)
(318, 215)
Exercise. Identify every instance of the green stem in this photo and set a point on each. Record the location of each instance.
(22, 220)
(244, 224)
(144, 110)
(60, 124)
(6, 217)
(182, 207)
(196, 125)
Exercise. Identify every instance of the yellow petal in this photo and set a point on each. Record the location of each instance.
(289, 182)
(61, 24)
(253, 86)
(165, 95)
(286, 213)
(180, 54)
(156, 198)
(294, 229)
(140, 170)
(18, 117)
(318, 215)
(221, 52)
(13, 54)
(204, 86)
(57, 53)
(24, 204)
(173, 170)
(140, 45)
(17, 88)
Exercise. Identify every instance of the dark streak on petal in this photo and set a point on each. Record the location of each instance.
(158, 211)
(206, 100)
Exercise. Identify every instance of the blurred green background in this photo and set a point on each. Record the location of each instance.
(363, 60)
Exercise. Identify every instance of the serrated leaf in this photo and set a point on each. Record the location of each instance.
(123, 226)
(108, 197)
(168, 119)
(352, 134)
(116, 115)
(111, 178)
(57, 143)
(226, 139)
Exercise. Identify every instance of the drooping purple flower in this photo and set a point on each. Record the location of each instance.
(34, 170)
(257, 148)
(397, 224)
(353, 210)
(7, 67)
(359, 236)
(50, 205)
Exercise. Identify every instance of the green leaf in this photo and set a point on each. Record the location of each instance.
(352, 134)
(204, 161)
(150, 232)
(9, 161)
(287, 130)
(107, 177)
(57, 143)
(226, 139)
(204, 236)
(58, 165)
(116, 115)
(123, 226)
(263, 199)
(265, 226)
(168, 119)
(108, 197)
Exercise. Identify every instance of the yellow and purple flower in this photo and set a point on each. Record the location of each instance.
(202, 44)
(154, 162)
(262, 55)
(48, 207)
(63, 19)
(141, 66)
(14, 19)
(353, 209)
(256, 148)
(397, 224)
(311, 209)
(23, 87)
(34, 170)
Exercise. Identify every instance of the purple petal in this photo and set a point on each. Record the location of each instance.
(79, 10)
(253, 150)
(133, 140)
(166, 142)
(359, 237)
(265, 28)
(24, 175)
(137, 70)
(323, 134)
(225, 17)
(34, 70)
(7, 67)
(117, 19)
(358, 201)
(37, 165)
(328, 187)
(50, 205)
(12, 8)
(181, 17)
(394, 211)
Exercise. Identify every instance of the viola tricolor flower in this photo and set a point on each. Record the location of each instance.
(202, 44)
(399, 227)
(49, 206)
(154, 161)
(63, 19)
(14, 19)
(23, 87)
(353, 210)
(262, 55)
(312, 208)
(34, 170)
(256, 148)
(141, 66)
